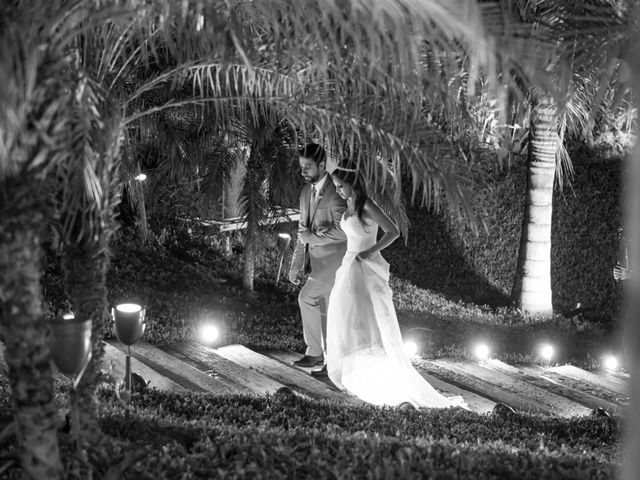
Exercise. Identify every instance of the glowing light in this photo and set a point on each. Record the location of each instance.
(283, 242)
(481, 351)
(68, 316)
(208, 333)
(410, 348)
(141, 177)
(546, 352)
(610, 362)
(199, 22)
(128, 307)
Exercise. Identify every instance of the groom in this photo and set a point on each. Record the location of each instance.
(321, 242)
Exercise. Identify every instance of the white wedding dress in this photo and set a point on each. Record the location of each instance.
(365, 353)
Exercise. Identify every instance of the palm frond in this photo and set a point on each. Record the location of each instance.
(87, 169)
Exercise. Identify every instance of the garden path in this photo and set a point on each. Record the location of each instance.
(564, 391)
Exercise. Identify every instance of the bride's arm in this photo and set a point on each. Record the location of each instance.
(391, 233)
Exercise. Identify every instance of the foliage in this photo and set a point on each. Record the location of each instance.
(480, 268)
(187, 280)
(193, 435)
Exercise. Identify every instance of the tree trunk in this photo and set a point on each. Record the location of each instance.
(532, 285)
(252, 210)
(24, 330)
(248, 270)
(85, 268)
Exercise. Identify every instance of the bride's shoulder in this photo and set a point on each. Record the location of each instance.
(370, 209)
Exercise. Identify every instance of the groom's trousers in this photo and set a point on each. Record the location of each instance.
(313, 300)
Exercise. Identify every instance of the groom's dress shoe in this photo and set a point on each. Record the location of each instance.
(322, 373)
(309, 361)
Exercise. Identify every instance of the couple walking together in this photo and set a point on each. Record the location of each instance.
(348, 318)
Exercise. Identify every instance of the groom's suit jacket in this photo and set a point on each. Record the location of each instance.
(325, 251)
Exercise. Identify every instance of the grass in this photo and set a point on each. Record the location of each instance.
(201, 436)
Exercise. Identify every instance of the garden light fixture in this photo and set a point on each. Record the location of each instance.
(481, 351)
(129, 322)
(610, 362)
(283, 242)
(71, 345)
(410, 348)
(199, 22)
(141, 177)
(208, 333)
(71, 350)
(546, 352)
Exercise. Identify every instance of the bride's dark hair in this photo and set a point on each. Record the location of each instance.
(347, 172)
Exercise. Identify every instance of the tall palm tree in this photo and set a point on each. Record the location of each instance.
(532, 284)
(267, 183)
(566, 57)
(35, 72)
(352, 102)
(89, 192)
(337, 81)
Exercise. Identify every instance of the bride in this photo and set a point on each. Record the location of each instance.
(365, 353)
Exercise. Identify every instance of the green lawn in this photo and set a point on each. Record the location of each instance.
(200, 436)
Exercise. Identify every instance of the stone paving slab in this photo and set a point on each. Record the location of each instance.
(475, 402)
(583, 392)
(114, 360)
(556, 384)
(288, 375)
(515, 383)
(234, 369)
(227, 371)
(176, 370)
(606, 382)
(463, 379)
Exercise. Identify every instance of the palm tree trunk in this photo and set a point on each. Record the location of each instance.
(24, 330)
(248, 270)
(252, 211)
(85, 270)
(532, 285)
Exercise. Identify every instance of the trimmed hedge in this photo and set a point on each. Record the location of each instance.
(186, 283)
(445, 256)
(200, 436)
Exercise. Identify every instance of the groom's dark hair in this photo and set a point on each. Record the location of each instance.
(314, 152)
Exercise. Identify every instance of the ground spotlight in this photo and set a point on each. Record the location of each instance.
(610, 362)
(208, 333)
(141, 177)
(283, 241)
(481, 351)
(410, 348)
(546, 352)
(70, 345)
(129, 319)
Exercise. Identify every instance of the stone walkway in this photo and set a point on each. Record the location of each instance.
(563, 391)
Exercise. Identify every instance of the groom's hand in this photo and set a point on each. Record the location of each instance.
(305, 235)
(363, 255)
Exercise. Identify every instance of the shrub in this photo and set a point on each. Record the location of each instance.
(444, 255)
